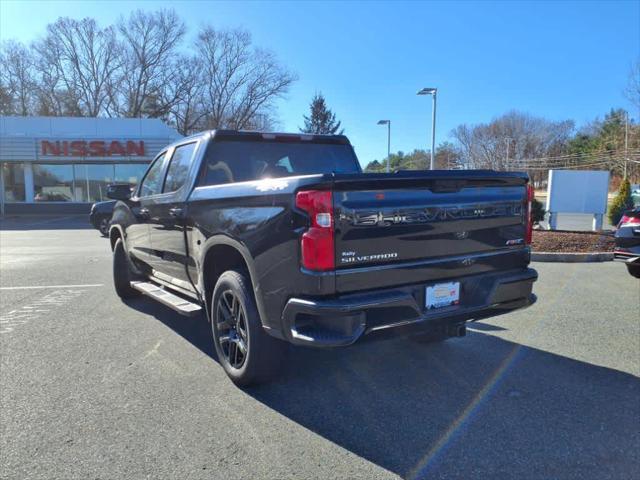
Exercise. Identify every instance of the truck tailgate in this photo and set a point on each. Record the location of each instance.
(449, 222)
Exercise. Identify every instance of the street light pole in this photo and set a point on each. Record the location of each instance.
(433, 92)
(433, 133)
(388, 124)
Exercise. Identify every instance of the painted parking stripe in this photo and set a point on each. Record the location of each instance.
(52, 286)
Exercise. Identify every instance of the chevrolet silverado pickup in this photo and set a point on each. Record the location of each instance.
(281, 238)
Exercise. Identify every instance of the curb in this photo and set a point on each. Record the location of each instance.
(571, 257)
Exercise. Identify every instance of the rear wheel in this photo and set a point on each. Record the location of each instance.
(123, 272)
(246, 352)
(634, 270)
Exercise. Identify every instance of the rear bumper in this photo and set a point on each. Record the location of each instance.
(627, 256)
(343, 320)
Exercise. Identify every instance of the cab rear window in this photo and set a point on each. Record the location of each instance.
(235, 161)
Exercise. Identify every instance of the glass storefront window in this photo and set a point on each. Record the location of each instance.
(130, 173)
(53, 183)
(13, 182)
(91, 182)
(78, 182)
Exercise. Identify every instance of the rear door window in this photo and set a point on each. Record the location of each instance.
(179, 165)
(234, 161)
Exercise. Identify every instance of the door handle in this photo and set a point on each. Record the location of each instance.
(175, 212)
(142, 214)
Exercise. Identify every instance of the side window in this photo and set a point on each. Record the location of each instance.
(179, 167)
(152, 182)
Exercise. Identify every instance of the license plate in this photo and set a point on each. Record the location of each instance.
(442, 295)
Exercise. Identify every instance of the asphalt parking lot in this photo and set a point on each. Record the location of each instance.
(91, 387)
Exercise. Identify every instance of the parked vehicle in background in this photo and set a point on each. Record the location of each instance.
(281, 238)
(101, 212)
(628, 241)
(100, 215)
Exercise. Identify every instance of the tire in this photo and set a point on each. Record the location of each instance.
(247, 353)
(634, 270)
(123, 273)
(103, 226)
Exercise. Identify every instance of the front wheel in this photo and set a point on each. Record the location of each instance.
(634, 270)
(246, 352)
(123, 272)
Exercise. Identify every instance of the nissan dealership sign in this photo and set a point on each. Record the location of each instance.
(92, 148)
(68, 140)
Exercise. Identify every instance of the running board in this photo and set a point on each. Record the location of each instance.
(171, 300)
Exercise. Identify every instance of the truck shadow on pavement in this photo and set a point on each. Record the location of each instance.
(476, 407)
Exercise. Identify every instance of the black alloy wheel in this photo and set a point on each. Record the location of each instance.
(248, 354)
(232, 329)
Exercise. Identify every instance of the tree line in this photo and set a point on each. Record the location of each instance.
(520, 141)
(144, 66)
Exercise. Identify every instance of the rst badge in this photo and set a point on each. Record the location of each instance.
(515, 241)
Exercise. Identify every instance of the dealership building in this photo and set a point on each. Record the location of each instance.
(63, 164)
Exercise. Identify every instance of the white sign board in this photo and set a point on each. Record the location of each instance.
(577, 191)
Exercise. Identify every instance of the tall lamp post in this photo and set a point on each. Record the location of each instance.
(432, 91)
(388, 124)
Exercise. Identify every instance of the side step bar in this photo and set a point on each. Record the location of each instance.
(171, 300)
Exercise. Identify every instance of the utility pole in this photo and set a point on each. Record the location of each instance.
(506, 162)
(626, 143)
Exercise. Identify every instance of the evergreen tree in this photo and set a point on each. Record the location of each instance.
(321, 120)
(621, 202)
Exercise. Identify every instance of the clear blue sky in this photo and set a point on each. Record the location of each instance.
(561, 60)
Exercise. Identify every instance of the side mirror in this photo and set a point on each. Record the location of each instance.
(119, 191)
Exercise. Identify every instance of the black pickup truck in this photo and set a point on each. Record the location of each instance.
(281, 238)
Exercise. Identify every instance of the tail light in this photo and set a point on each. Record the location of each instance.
(630, 219)
(317, 244)
(528, 236)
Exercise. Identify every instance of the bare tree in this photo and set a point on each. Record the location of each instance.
(52, 97)
(135, 69)
(503, 142)
(240, 82)
(80, 60)
(187, 86)
(148, 59)
(17, 79)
